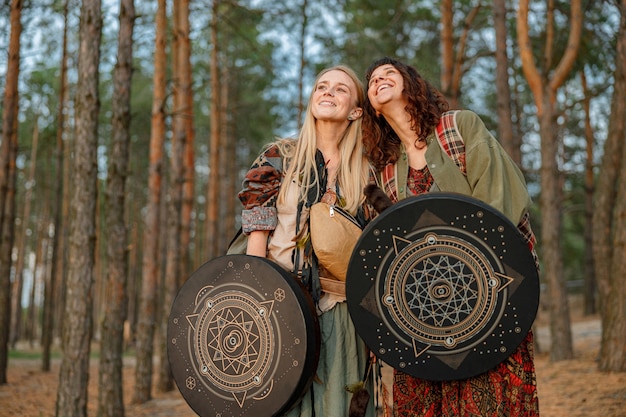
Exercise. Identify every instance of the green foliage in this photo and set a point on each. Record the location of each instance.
(250, 73)
(406, 30)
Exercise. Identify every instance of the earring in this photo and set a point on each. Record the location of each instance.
(350, 118)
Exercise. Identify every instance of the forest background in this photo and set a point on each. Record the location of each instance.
(126, 128)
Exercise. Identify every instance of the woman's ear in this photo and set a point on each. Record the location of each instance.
(355, 114)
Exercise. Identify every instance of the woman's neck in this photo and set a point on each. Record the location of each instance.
(327, 141)
(328, 145)
(400, 122)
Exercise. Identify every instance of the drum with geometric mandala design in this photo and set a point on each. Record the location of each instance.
(442, 286)
(243, 338)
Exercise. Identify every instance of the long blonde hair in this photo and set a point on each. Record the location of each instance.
(353, 171)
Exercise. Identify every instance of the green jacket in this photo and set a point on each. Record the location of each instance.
(492, 176)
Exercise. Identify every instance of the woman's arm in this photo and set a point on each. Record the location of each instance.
(258, 197)
(491, 173)
(257, 243)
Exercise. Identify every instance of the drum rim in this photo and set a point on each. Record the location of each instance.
(309, 318)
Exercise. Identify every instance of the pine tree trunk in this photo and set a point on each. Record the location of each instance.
(18, 283)
(39, 274)
(152, 231)
(613, 345)
(589, 286)
(452, 59)
(189, 167)
(608, 217)
(60, 251)
(214, 156)
(302, 52)
(77, 323)
(447, 49)
(510, 142)
(174, 206)
(228, 171)
(8, 151)
(50, 303)
(544, 90)
(551, 198)
(111, 389)
(6, 240)
(62, 270)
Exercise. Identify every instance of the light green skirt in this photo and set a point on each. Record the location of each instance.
(342, 362)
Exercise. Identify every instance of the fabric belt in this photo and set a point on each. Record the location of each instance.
(333, 286)
(330, 285)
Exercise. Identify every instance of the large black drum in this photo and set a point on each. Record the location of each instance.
(243, 338)
(442, 286)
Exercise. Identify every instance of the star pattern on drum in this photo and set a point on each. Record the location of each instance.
(441, 291)
(233, 341)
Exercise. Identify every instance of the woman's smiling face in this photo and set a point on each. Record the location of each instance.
(334, 96)
(385, 84)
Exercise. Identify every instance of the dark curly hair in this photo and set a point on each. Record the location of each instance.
(425, 107)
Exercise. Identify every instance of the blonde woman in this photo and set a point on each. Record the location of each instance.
(325, 162)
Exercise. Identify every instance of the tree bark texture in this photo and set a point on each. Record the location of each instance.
(551, 197)
(18, 283)
(62, 270)
(510, 142)
(453, 60)
(174, 207)
(7, 237)
(10, 105)
(230, 183)
(152, 231)
(110, 392)
(212, 204)
(56, 267)
(74, 372)
(544, 83)
(189, 154)
(39, 274)
(447, 46)
(589, 286)
(304, 9)
(50, 291)
(608, 217)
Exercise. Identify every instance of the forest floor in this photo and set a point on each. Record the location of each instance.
(572, 388)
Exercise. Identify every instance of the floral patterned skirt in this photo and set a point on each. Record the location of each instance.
(510, 389)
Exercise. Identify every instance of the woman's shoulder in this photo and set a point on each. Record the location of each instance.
(280, 147)
(471, 126)
(465, 122)
(271, 154)
(467, 118)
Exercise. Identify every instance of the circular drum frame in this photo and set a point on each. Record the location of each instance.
(442, 286)
(243, 338)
